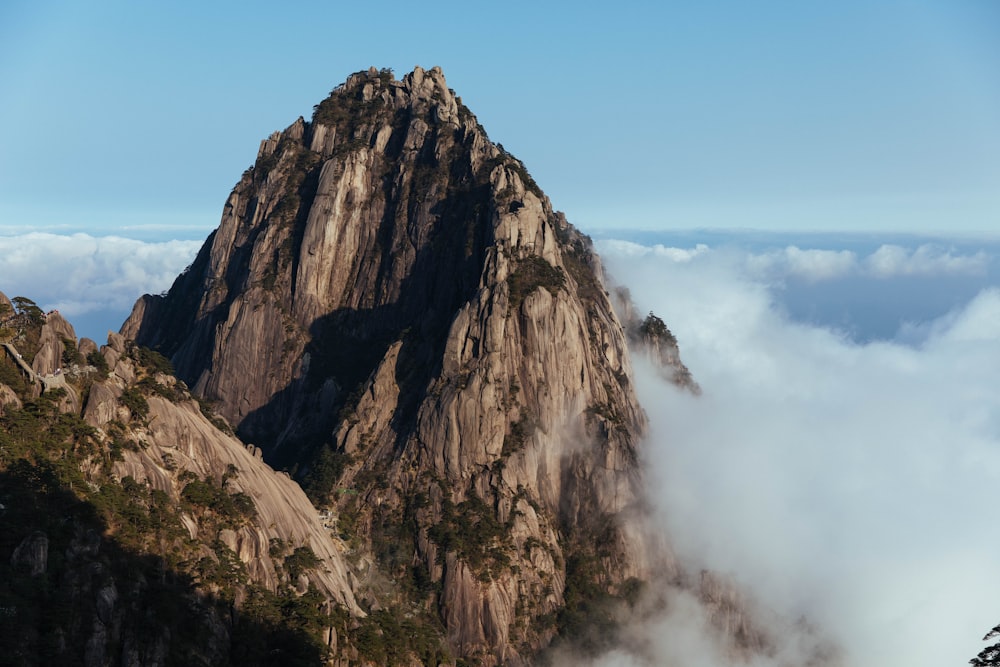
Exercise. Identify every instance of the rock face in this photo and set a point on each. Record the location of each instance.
(133, 529)
(32, 554)
(179, 444)
(391, 305)
(56, 329)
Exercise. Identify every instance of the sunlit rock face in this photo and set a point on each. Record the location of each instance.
(391, 306)
(179, 443)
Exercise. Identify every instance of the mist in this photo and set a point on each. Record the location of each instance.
(844, 479)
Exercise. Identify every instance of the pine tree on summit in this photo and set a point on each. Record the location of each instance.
(989, 656)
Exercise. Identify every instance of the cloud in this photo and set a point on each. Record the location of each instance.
(854, 484)
(809, 265)
(927, 259)
(817, 265)
(975, 322)
(79, 273)
(629, 248)
(680, 637)
(888, 261)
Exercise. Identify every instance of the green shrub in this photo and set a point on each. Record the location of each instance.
(520, 431)
(654, 328)
(209, 413)
(206, 494)
(300, 560)
(152, 361)
(324, 474)
(149, 386)
(388, 637)
(531, 273)
(471, 531)
(70, 354)
(97, 360)
(577, 257)
(133, 399)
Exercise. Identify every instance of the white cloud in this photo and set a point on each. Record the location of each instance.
(816, 265)
(629, 248)
(79, 273)
(856, 484)
(809, 265)
(927, 259)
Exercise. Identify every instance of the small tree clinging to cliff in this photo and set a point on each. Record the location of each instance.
(989, 656)
(656, 329)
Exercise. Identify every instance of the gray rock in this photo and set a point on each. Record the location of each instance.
(32, 554)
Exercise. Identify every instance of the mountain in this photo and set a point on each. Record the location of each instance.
(387, 416)
(392, 309)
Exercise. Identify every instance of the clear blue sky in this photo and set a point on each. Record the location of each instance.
(881, 116)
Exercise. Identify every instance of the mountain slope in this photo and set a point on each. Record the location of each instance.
(135, 530)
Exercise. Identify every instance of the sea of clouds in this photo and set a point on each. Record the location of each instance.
(842, 463)
(92, 281)
(848, 479)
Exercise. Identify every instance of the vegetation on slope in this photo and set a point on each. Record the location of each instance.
(93, 566)
(92, 562)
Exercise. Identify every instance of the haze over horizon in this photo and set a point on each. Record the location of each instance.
(137, 120)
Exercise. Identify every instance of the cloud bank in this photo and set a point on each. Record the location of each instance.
(80, 274)
(816, 265)
(854, 484)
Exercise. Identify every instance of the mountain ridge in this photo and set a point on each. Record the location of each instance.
(129, 511)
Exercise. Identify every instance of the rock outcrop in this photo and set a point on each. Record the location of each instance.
(391, 306)
(136, 530)
(177, 443)
(48, 359)
(651, 337)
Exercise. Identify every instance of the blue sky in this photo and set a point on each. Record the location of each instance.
(137, 118)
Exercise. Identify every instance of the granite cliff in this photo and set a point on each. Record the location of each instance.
(392, 309)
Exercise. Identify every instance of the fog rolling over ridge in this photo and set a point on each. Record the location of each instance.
(851, 483)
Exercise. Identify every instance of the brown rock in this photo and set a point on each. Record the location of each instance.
(8, 399)
(48, 358)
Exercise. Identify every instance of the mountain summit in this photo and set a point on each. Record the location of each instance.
(392, 310)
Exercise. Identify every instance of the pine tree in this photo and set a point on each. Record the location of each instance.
(989, 656)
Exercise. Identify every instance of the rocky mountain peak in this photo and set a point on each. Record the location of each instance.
(392, 309)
